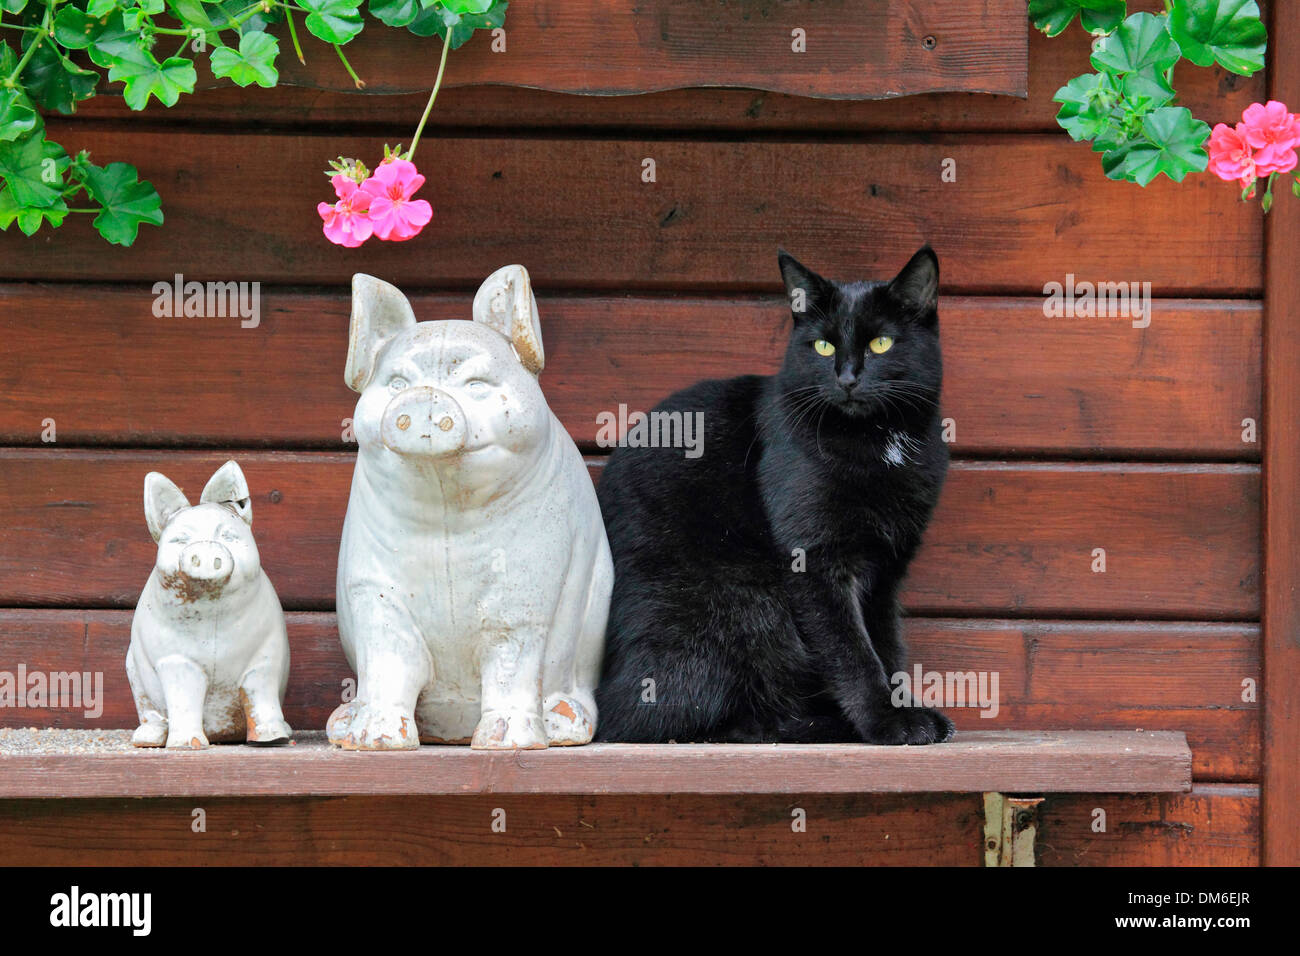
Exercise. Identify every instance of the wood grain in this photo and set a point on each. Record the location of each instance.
(1281, 793)
(1214, 825)
(1181, 541)
(326, 96)
(1015, 382)
(1051, 675)
(1024, 211)
(853, 50)
(975, 761)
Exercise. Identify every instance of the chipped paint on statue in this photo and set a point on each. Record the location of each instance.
(474, 574)
(209, 658)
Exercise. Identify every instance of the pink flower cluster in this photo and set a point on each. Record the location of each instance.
(1263, 143)
(381, 205)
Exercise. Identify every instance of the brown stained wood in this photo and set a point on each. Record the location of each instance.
(1182, 541)
(1015, 381)
(974, 761)
(1024, 211)
(853, 50)
(1214, 825)
(1281, 611)
(1033, 530)
(1212, 94)
(1052, 675)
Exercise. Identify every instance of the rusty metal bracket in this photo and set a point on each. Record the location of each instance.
(1010, 825)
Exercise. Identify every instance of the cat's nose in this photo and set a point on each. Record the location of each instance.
(848, 380)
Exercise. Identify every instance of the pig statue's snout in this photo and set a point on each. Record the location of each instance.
(207, 561)
(423, 421)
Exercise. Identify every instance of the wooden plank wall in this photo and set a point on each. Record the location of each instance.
(1072, 433)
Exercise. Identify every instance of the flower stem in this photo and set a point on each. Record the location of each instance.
(442, 65)
(293, 34)
(360, 83)
(235, 23)
(1266, 202)
(31, 50)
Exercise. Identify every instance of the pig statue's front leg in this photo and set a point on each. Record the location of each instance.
(185, 688)
(393, 667)
(152, 731)
(260, 690)
(512, 690)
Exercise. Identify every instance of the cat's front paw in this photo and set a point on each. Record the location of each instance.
(909, 725)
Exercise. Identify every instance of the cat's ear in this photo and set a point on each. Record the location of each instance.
(806, 289)
(379, 313)
(917, 285)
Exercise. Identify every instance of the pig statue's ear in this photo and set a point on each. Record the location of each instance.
(379, 312)
(505, 302)
(228, 487)
(162, 500)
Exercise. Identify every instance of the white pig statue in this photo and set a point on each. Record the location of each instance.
(209, 659)
(474, 574)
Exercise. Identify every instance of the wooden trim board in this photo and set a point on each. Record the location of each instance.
(1281, 522)
(63, 764)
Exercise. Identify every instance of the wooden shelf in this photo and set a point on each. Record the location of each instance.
(66, 763)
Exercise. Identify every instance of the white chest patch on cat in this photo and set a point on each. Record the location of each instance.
(896, 448)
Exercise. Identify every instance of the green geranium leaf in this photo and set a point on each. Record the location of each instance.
(1112, 136)
(334, 21)
(253, 62)
(1097, 16)
(113, 42)
(456, 28)
(1086, 105)
(1151, 87)
(30, 218)
(99, 8)
(1172, 142)
(55, 83)
(150, 7)
(18, 116)
(467, 6)
(13, 6)
(144, 77)
(1140, 45)
(1112, 163)
(192, 14)
(73, 29)
(33, 168)
(127, 202)
(395, 13)
(1228, 32)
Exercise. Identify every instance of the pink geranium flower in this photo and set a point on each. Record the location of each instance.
(1231, 156)
(396, 216)
(1273, 133)
(347, 222)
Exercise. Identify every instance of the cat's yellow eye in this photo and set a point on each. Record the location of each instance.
(881, 344)
(823, 347)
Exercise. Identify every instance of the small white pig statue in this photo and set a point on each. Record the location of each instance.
(209, 659)
(474, 574)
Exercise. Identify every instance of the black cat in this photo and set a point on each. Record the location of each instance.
(755, 584)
